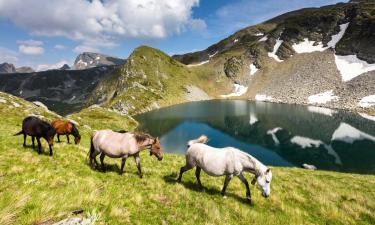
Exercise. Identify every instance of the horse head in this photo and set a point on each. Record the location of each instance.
(77, 139)
(156, 149)
(264, 182)
(50, 134)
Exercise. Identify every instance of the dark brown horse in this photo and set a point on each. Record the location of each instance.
(37, 128)
(66, 128)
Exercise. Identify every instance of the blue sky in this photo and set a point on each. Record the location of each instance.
(45, 34)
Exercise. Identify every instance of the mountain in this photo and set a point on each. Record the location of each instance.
(88, 60)
(10, 68)
(321, 56)
(63, 91)
(151, 79)
(315, 56)
(25, 69)
(7, 68)
(65, 67)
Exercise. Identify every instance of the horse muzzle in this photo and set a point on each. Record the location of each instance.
(265, 195)
(160, 158)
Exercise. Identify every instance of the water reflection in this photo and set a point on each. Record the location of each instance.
(277, 134)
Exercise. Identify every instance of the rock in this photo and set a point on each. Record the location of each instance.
(75, 221)
(193, 93)
(308, 166)
(39, 104)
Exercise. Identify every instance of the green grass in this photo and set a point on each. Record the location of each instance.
(37, 189)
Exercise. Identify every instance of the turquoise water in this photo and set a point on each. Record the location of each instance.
(276, 134)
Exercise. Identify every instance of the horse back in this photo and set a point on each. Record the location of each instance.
(114, 144)
(62, 127)
(34, 126)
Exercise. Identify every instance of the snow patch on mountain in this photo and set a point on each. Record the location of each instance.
(337, 37)
(265, 38)
(198, 64)
(367, 101)
(307, 46)
(350, 66)
(275, 48)
(263, 98)
(253, 69)
(238, 91)
(322, 98)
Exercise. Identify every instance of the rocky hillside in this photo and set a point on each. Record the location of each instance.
(10, 68)
(88, 60)
(322, 56)
(63, 91)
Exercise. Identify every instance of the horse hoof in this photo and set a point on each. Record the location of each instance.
(248, 199)
(201, 189)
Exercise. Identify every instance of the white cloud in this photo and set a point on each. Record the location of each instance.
(198, 24)
(102, 23)
(31, 50)
(7, 55)
(30, 42)
(83, 48)
(57, 65)
(59, 47)
(30, 47)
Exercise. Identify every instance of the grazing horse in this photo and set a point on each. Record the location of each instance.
(37, 128)
(122, 145)
(66, 128)
(226, 161)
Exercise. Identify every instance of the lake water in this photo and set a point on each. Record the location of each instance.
(276, 134)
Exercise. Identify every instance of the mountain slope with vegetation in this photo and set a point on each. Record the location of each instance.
(151, 79)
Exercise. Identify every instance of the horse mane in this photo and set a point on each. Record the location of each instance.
(75, 131)
(141, 137)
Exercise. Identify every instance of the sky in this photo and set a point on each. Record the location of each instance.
(45, 34)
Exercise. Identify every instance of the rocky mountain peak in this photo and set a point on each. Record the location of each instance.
(7, 68)
(89, 59)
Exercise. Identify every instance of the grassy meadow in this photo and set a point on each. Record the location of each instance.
(38, 189)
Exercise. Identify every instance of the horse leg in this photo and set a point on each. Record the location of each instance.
(33, 139)
(243, 179)
(24, 140)
(183, 170)
(198, 176)
(102, 161)
(67, 137)
(58, 137)
(226, 182)
(138, 162)
(123, 161)
(39, 145)
(50, 149)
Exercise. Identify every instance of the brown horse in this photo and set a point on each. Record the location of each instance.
(122, 145)
(66, 128)
(37, 128)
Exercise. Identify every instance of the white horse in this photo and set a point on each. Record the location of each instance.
(226, 161)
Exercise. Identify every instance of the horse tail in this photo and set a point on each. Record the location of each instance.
(21, 132)
(92, 149)
(202, 139)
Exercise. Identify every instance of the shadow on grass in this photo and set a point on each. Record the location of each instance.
(172, 179)
(44, 151)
